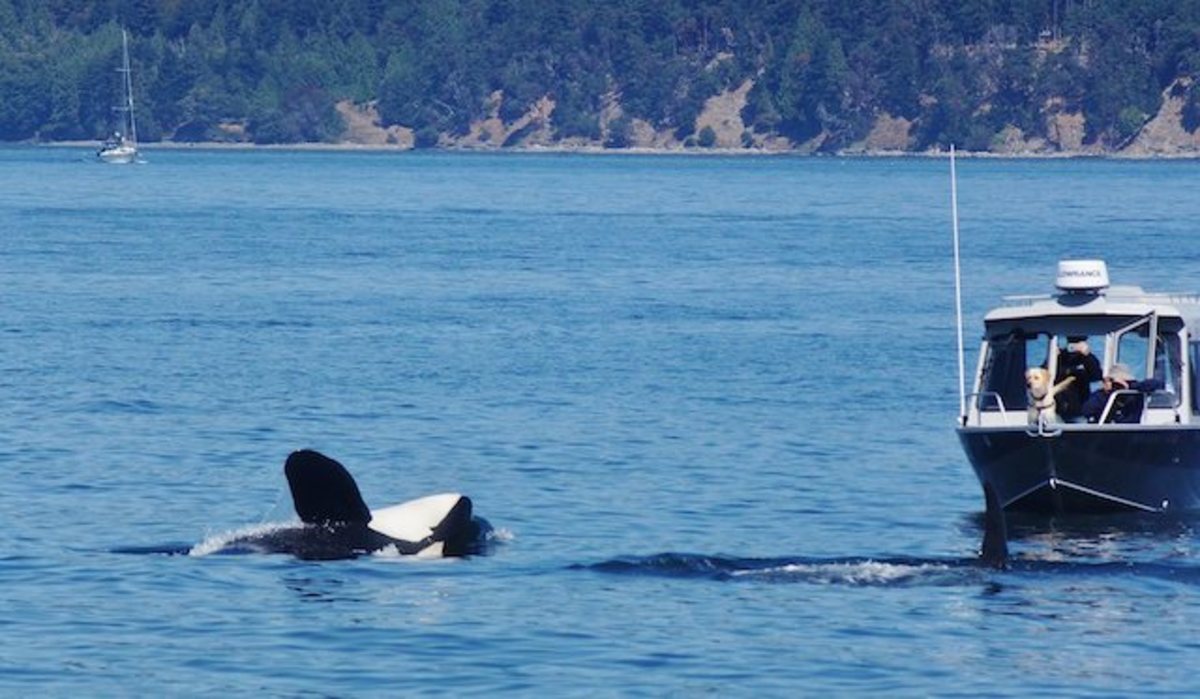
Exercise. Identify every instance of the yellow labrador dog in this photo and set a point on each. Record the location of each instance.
(1041, 395)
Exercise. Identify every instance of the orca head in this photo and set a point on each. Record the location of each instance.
(459, 530)
(994, 551)
(323, 491)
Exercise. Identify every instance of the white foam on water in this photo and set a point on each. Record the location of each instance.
(216, 542)
(501, 535)
(849, 573)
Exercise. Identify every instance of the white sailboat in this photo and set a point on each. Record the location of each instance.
(121, 147)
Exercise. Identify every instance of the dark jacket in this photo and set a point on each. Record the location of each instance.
(1127, 408)
(1086, 369)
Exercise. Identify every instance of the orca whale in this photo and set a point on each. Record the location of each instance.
(993, 553)
(337, 524)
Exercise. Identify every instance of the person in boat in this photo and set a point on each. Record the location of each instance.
(1076, 361)
(1127, 407)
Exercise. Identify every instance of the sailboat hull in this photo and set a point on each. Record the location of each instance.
(120, 155)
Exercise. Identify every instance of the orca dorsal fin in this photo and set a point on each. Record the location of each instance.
(323, 490)
(994, 552)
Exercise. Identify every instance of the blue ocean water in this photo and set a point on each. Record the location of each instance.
(706, 402)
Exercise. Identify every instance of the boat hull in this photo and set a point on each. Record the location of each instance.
(1088, 468)
(121, 155)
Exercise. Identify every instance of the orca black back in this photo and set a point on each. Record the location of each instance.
(323, 491)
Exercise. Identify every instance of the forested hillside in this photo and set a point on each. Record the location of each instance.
(816, 75)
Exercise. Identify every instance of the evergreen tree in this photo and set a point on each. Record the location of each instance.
(961, 70)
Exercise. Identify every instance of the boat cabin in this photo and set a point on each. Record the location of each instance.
(1150, 334)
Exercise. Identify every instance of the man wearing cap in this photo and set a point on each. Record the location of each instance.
(1076, 361)
(1127, 407)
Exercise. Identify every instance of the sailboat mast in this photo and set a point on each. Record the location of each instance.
(132, 133)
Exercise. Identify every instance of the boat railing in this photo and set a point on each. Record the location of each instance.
(982, 399)
(1157, 407)
(1173, 297)
(978, 399)
(1112, 399)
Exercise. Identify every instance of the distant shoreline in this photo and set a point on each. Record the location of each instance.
(349, 147)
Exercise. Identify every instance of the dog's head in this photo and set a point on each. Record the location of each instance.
(1037, 381)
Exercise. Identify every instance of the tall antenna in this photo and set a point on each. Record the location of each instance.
(962, 371)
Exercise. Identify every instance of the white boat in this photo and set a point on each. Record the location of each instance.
(121, 147)
(1085, 401)
(1132, 447)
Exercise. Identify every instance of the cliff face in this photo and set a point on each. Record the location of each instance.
(1163, 135)
(811, 76)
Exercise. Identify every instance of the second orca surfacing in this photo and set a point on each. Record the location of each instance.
(854, 570)
(337, 524)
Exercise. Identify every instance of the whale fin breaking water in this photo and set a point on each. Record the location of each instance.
(994, 550)
(336, 522)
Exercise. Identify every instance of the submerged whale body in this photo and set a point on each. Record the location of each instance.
(993, 554)
(338, 524)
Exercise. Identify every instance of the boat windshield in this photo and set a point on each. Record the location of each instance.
(1010, 352)
(1160, 360)
(1008, 356)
